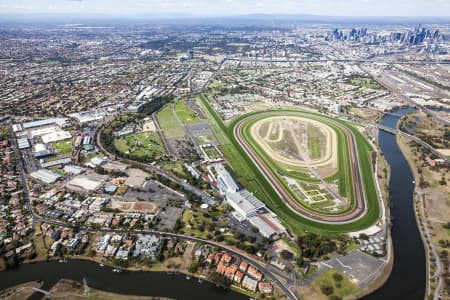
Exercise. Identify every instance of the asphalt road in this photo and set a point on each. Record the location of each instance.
(37, 219)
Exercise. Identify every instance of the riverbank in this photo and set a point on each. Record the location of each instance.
(383, 178)
(70, 289)
(156, 284)
(22, 291)
(429, 223)
(178, 265)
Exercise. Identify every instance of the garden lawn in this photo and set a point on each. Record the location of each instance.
(141, 145)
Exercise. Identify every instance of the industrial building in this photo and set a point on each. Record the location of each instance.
(23, 143)
(61, 122)
(56, 136)
(268, 225)
(63, 161)
(73, 169)
(45, 176)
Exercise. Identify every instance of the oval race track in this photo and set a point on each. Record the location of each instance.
(360, 206)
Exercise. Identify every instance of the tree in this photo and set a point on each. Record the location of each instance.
(326, 289)
(217, 279)
(193, 267)
(287, 255)
(300, 261)
(337, 277)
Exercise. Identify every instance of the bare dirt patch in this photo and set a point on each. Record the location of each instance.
(138, 206)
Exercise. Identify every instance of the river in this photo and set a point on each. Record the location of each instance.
(103, 278)
(408, 277)
(407, 280)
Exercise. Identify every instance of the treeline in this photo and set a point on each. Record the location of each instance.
(154, 105)
(107, 135)
(150, 107)
(314, 246)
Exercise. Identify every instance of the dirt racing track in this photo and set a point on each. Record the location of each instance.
(285, 124)
(247, 138)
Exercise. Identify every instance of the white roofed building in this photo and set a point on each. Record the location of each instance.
(56, 136)
(45, 175)
(268, 225)
(244, 203)
(225, 182)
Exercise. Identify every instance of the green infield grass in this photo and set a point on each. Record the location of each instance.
(248, 175)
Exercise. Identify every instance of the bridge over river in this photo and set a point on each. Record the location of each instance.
(395, 131)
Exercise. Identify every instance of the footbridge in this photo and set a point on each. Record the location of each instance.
(395, 131)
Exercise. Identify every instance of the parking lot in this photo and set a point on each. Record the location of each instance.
(152, 191)
(360, 267)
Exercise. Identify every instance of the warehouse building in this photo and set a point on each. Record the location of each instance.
(23, 143)
(268, 225)
(45, 176)
(61, 122)
(56, 136)
(62, 161)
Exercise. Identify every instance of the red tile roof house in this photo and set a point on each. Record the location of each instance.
(265, 287)
(230, 271)
(243, 266)
(238, 277)
(221, 268)
(217, 257)
(226, 258)
(253, 272)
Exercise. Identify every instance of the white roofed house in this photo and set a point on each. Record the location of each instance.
(249, 283)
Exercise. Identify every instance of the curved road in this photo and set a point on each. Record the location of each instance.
(38, 219)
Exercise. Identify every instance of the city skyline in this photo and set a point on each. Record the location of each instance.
(222, 8)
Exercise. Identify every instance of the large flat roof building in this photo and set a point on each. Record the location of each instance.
(45, 176)
(23, 143)
(268, 225)
(244, 203)
(225, 182)
(56, 136)
(52, 121)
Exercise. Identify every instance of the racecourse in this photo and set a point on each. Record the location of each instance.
(246, 138)
(248, 173)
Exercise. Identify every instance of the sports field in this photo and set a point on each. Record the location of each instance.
(63, 147)
(250, 174)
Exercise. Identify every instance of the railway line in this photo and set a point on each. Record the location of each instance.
(360, 201)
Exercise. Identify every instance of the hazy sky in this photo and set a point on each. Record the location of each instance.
(164, 8)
